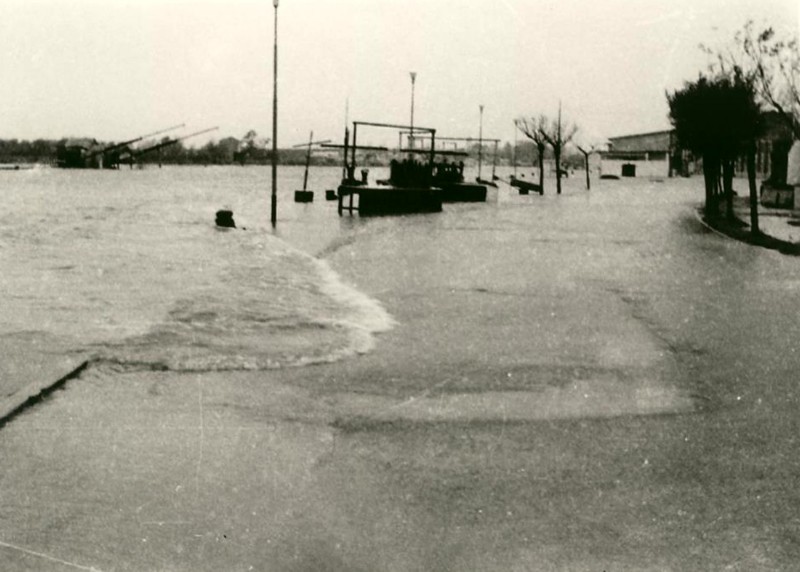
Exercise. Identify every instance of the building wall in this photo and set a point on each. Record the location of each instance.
(644, 168)
(772, 150)
(649, 152)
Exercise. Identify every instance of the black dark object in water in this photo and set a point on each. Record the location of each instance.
(225, 219)
(525, 186)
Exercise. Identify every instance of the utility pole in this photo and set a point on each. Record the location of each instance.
(274, 211)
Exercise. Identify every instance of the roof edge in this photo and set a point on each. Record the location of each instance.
(659, 132)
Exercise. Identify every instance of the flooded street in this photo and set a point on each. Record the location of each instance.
(628, 403)
(585, 382)
(225, 346)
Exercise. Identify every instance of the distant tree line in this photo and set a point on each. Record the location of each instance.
(222, 152)
(229, 151)
(38, 151)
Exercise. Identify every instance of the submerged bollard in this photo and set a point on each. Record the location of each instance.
(225, 219)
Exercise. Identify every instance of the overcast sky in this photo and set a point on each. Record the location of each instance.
(115, 69)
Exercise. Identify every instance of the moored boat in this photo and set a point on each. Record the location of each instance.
(525, 186)
(409, 189)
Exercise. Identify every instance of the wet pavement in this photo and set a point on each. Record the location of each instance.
(586, 382)
(33, 363)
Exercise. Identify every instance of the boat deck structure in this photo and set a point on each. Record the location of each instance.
(409, 189)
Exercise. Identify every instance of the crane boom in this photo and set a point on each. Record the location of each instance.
(116, 146)
(171, 142)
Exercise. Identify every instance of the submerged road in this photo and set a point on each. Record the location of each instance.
(584, 382)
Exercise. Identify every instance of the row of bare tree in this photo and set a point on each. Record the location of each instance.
(544, 131)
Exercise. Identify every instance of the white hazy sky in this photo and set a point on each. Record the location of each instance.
(115, 69)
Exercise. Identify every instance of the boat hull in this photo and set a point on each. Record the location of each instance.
(525, 186)
(463, 193)
(388, 200)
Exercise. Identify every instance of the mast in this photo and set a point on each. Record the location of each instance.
(413, 82)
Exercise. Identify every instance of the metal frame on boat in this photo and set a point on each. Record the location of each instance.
(409, 189)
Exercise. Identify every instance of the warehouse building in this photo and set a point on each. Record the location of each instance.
(650, 155)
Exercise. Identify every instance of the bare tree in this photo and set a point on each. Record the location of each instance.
(770, 65)
(586, 150)
(558, 136)
(774, 64)
(533, 128)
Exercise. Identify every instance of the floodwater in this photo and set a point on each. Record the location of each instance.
(126, 268)
(579, 382)
(129, 267)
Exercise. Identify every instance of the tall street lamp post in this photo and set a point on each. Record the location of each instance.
(480, 143)
(413, 81)
(274, 212)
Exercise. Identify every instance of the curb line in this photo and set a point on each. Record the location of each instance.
(763, 240)
(33, 394)
(702, 221)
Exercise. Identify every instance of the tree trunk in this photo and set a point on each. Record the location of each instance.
(710, 179)
(557, 153)
(586, 166)
(727, 187)
(540, 149)
(751, 181)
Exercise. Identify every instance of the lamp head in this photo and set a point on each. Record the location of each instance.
(275, 3)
